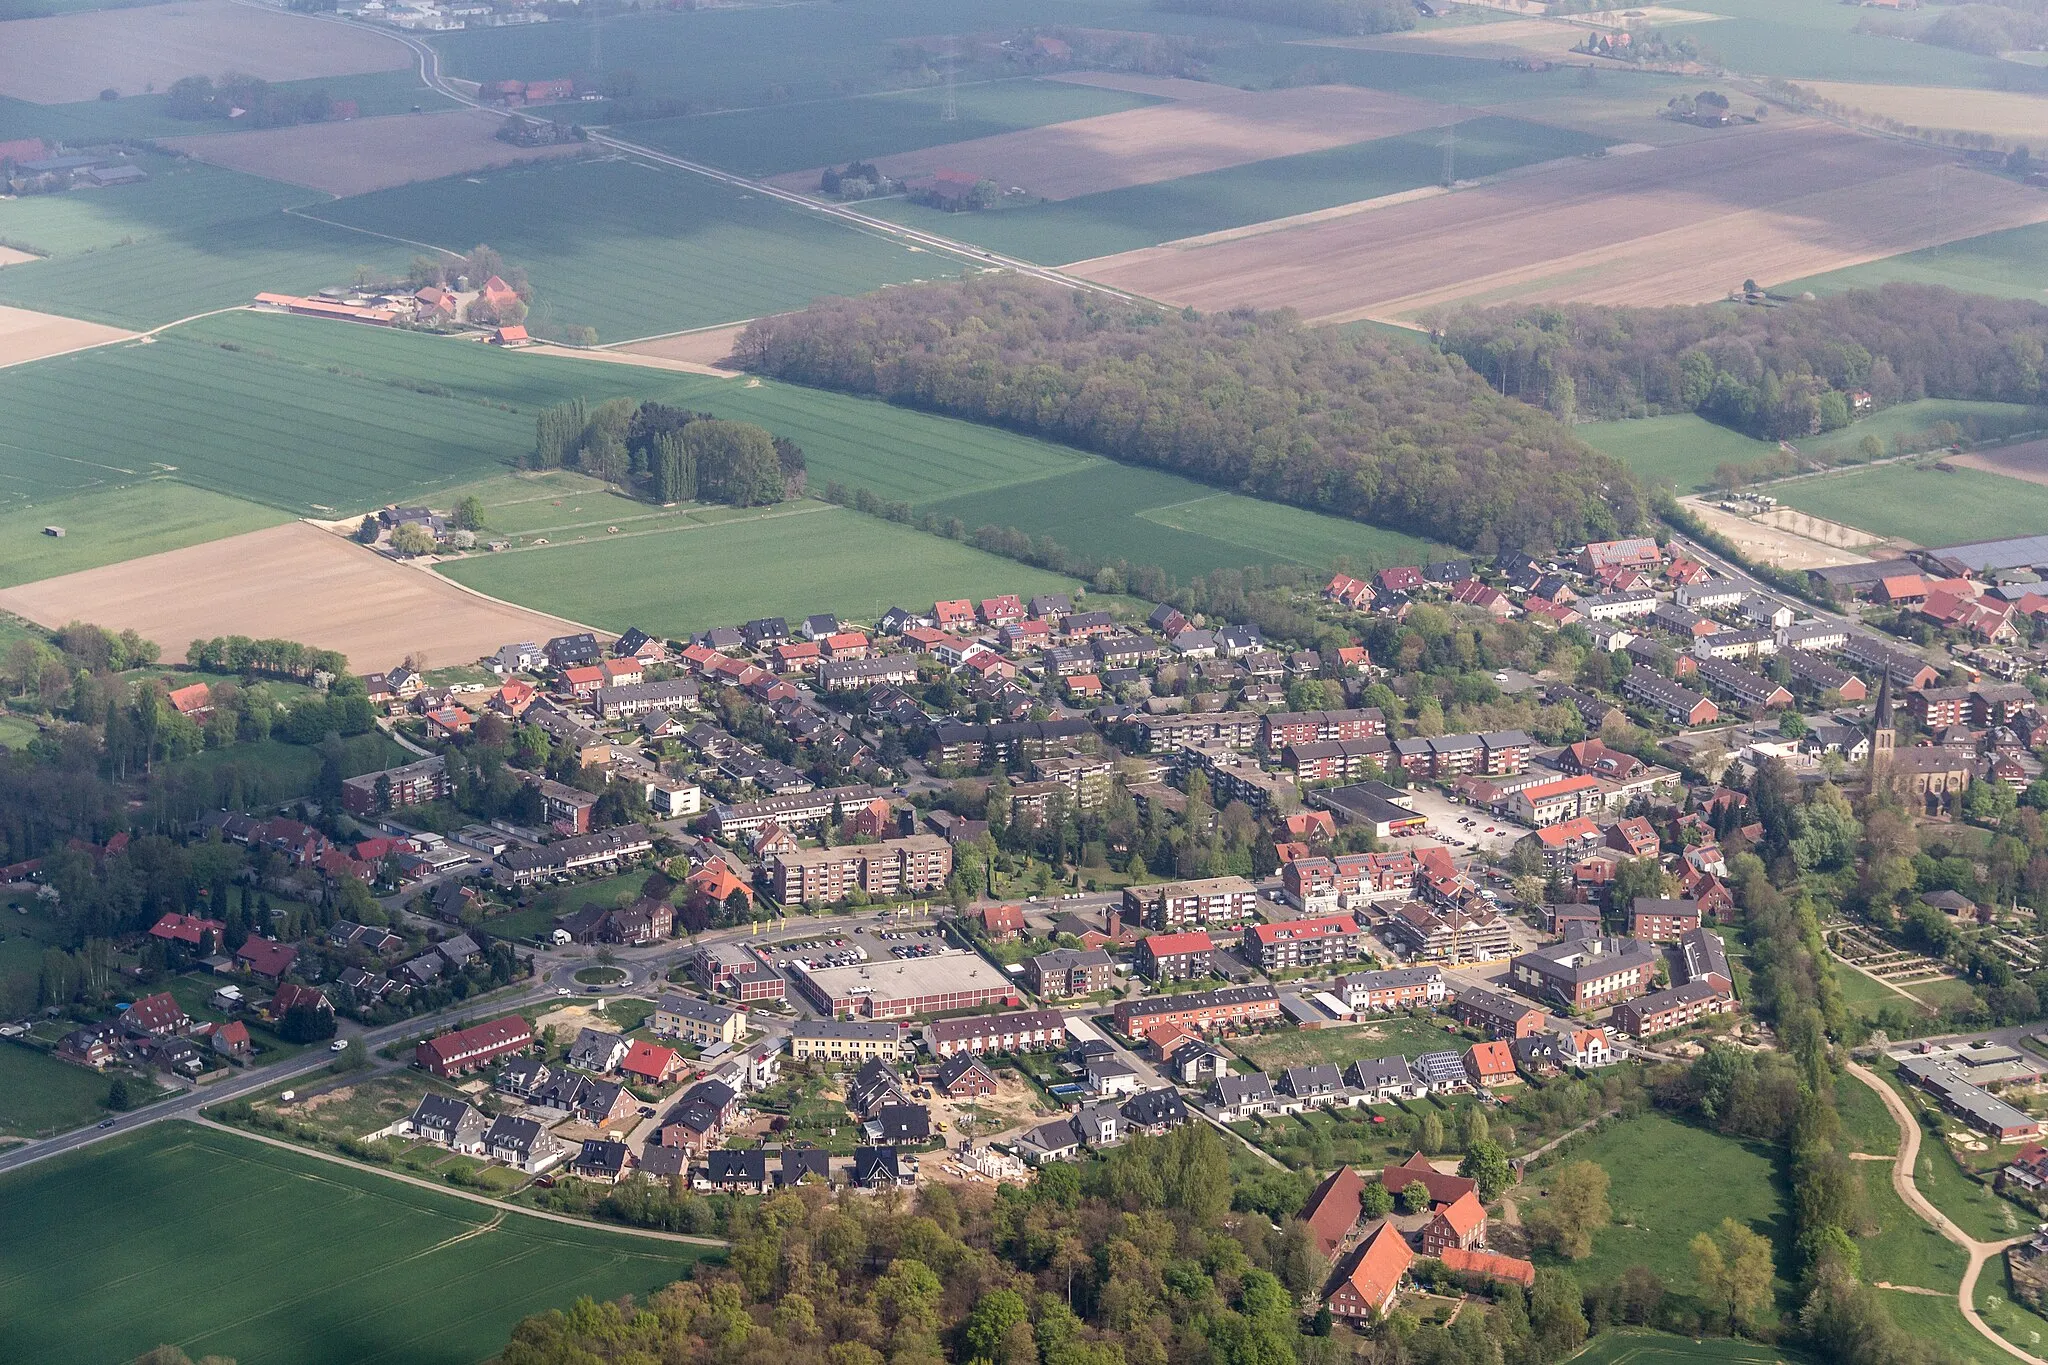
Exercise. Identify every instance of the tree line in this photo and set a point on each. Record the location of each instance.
(1777, 373)
(1361, 426)
(249, 100)
(667, 454)
(286, 659)
(1349, 17)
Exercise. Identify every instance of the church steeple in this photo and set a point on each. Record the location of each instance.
(1882, 734)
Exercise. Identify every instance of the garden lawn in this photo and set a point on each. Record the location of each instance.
(1274, 1052)
(265, 772)
(38, 1093)
(802, 558)
(2012, 264)
(1657, 1214)
(634, 249)
(103, 1243)
(1680, 449)
(795, 137)
(1920, 503)
(1864, 993)
(1146, 215)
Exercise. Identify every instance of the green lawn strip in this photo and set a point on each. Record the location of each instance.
(810, 559)
(1145, 215)
(1396, 1034)
(1865, 993)
(1939, 1322)
(1658, 1348)
(1655, 1216)
(2010, 1318)
(1680, 449)
(1920, 503)
(39, 1093)
(1867, 1126)
(633, 249)
(111, 525)
(798, 136)
(1941, 1179)
(104, 1238)
(2012, 263)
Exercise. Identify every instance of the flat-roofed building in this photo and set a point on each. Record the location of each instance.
(901, 988)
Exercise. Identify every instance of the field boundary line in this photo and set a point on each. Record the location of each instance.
(626, 535)
(688, 1239)
(367, 232)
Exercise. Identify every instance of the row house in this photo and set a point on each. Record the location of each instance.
(1676, 704)
(1616, 606)
(798, 812)
(913, 865)
(843, 674)
(1211, 900)
(1665, 1010)
(1906, 669)
(1821, 676)
(1230, 1008)
(606, 849)
(1498, 1016)
(630, 700)
(843, 1041)
(1684, 622)
(1396, 988)
(1746, 687)
(1806, 637)
(1711, 594)
(1756, 643)
(1025, 1031)
(464, 1050)
(1293, 944)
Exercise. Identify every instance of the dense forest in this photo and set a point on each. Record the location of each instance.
(1349, 17)
(1984, 26)
(1358, 425)
(666, 454)
(1777, 373)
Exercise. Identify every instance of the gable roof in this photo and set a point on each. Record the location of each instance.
(1333, 1209)
(1463, 1214)
(1443, 1189)
(1376, 1272)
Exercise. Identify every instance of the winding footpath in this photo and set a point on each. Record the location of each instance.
(1902, 1182)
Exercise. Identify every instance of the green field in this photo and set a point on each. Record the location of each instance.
(1148, 516)
(1382, 1038)
(1655, 1220)
(636, 250)
(143, 116)
(805, 557)
(2012, 264)
(114, 524)
(796, 137)
(303, 1261)
(1145, 215)
(1920, 503)
(39, 1093)
(1815, 40)
(189, 239)
(1656, 1348)
(1681, 449)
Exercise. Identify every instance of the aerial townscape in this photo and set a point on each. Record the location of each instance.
(1086, 682)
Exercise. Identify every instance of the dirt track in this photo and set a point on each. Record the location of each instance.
(367, 154)
(1670, 225)
(294, 582)
(1165, 142)
(75, 56)
(28, 336)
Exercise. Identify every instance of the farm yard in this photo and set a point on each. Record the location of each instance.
(364, 154)
(75, 56)
(293, 581)
(1662, 226)
(780, 139)
(798, 558)
(636, 250)
(105, 1240)
(1919, 503)
(1243, 197)
(1167, 141)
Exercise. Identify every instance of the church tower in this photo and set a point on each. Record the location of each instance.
(1882, 735)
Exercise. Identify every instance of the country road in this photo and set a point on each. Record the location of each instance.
(1902, 1182)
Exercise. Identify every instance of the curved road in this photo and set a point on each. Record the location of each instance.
(1902, 1181)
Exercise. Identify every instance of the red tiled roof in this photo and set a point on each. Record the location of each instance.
(185, 928)
(267, 957)
(1333, 1209)
(1166, 945)
(1491, 1059)
(645, 1059)
(1464, 1214)
(1443, 1189)
(1381, 1263)
(1491, 1264)
(463, 1042)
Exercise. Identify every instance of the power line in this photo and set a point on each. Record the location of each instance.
(949, 112)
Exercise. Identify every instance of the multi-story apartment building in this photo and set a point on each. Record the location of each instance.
(1549, 803)
(1655, 920)
(845, 1040)
(1297, 943)
(1210, 901)
(1278, 729)
(1175, 956)
(1586, 973)
(912, 865)
(1232, 1007)
(414, 784)
(1436, 933)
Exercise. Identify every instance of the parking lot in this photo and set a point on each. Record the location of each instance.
(846, 947)
(1465, 827)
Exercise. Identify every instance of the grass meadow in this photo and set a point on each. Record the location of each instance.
(2012, 264)
(1381, 1038)
(143, 116)
(633, 249)
(189, 239)
(1681, 449)
(1920, 503)
(1657, 1348)
(38, 1093)
(805, 557)
(795, 137)
(1145, 215)
(302, 1260)
(1656, 1219)
(116, 524)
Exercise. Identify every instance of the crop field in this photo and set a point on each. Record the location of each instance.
(106, 1241)
(2012, 263)
(110, 525)
(1148, 516)
(31, 336)
(783, 138)
(1679, 449)
(293, 581)
(1817, 42)
(85, 122)
(1145, 215)
(1914, 424)
(803, 558)
(1668, 225)
(1168, 141)
(635, 250)
(2007, 115)
(1920, 503)
(75, 56)
(1655, 1220)
(189, 239)
(364, 154)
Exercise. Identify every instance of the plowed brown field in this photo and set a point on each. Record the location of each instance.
(1167, 141)
(1680, 224)
(293, 582)
(367, 154)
